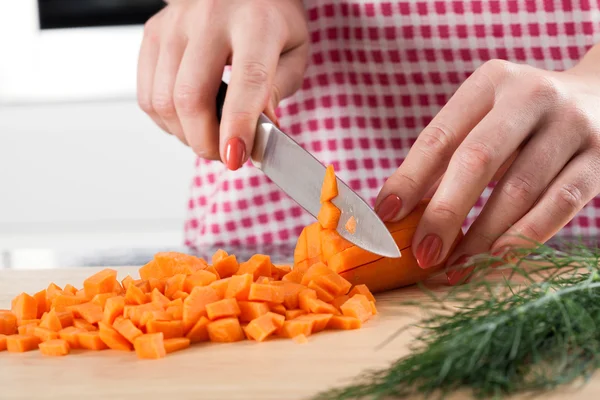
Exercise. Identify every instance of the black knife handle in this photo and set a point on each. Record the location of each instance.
(221, 100)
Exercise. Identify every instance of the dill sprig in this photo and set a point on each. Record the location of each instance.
(519, 327)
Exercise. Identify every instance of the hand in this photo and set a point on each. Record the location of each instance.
(183, 54)
(536, 131)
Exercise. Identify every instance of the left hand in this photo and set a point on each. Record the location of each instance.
(537, 132)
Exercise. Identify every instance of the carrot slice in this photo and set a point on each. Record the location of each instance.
(27, 330)
(291, 291)
(91, 341)
(226, 266)
(66, 318)
(223, 308)
(101, 282)
(200, 278)
(320, 307)
(174, 285)
(84, 325)
(51, 321)
(55, 348)
(52, 291)
(314, 271)
(176, 344)
(101, 298)
(40, 299)
(295, 276)
(212, 270)
(218, 256)
(158, 298)
(329, 190)
(150, 346)
(278, 309)
(344, 322)
(194, 305)
(329, 215)
(21, 344)
(301, 249)
(127, 329)
(180, 295)
(239, 286)
(350, 225)
(112, 309)
(70, 289)
(300, 339)
(199, 333)
(262, 327)
(258, 265)
(322, 294)
(279, 271)
(90, 312)
(291, 314)
(25, 307)
(319, 321)
(225, 330)
(8, 323)
(112, 338)
(333, 283)
(250, 310)
(157, 284)
(266, 292)
(2, 342)
(220, 286)
(154, 315)
(332, 243)
(362, 289)
(358, 306)
(70, 336)
(63, 301)
(351, 258)
(44, 334)
(295, 327)
(128, 280)
(338, 301)
(170, 329)
(36, 322)
(304, 298)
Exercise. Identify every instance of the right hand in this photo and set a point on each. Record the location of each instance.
(183, 54)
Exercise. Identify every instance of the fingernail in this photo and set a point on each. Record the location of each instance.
(505, 253)
(235, 151)
(428, 251)
(389, 207)
(457, 273)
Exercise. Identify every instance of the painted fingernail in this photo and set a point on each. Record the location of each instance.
(457, 273)
(389, 207)
(505, 252)
(235, 151)
(428, 251)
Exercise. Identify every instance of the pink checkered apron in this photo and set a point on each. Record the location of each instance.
(379, 71)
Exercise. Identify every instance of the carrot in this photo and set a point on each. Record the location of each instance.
(127, 329)
(364, 290)
(70, 289)
(194, 305)
(102, 282)
(70, 336)
(135, 295)
(351, 258)
(157, 284)
(112, 309)
(90, 312)
(350, 225)
(136, 312)
(291, 314)
(373, 308)
(329, 216)
(266, 292)
(180, 295)
(150, 346)
(176, 344)
(322, 294)
(315, 270)
(174, 285)
(44, 334)
(8, 323)
(36, 322)
(175, 311)
(223, 308)
(21, 344)
(344, 322)
(25, 307)
(101, 298)
(91, 341)
(55, 348)
(313, 242)
(290, 294)
(239, 286)
(338, 301)
(51, 321)
(329, 190)
(358, 306)
(303, 299)
(66, 318)
(258, 265)
(278, 309)
(52, 291)
(212, 270)
(301, 249)
(320, 307)
(294, 277)
(220, 286)
(262, 327)
(2, 342)
(226, 266)
(300, 339)
(169, 329)
(319, 321)
(128, 280)
(84, 325)
(199, 333)
(113, 339)
(332, 243)
(295, 327)
(63, 301)
(250, 310)
(154, 315)
(225, 330)
(27, 330)
(200, 278)
(40, 299)
(218, 256)
(279, 271)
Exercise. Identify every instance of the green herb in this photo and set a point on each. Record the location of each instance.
(535, 329)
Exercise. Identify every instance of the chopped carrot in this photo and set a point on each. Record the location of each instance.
(63, 301)
(199, 333)
(55, 348)
(212, 270)
(52, 291)
(300, 339)
(239, 286)
(250, 310)
(127, 329)
(70, 336)
(25, 307)
(344, 322)
(264, 279)
(262, 327)
(2, 342)
(218, 256)
(301, 249)
(295, 327)
(291, 291)
(351, 258)
(90, 312)
(27, 330)
(319, 321)
(220, 286)
(135, 295)
(170, 329)
(175, 311)
(113, 339)
(150, 346)
(101, 298)
(102, 282)
(176, 344)
(291, 314)
(314, 271)
(334, 284)
(258, 265)
(44, 334)
(320, 307)
(128, 280)
(277, 309)
(313, 240)
(180, 295)
(158, 284)
(136, 312)
(303, 299)
(338, 301)
(329, 190)
(194, 305)
(51, 321)
(362, 289)
(112, 309)
(223, 308)
(351, 225)
(174, 285)
(373, 308)
(36, 322)
(83, 324)
(66, 318)
(266, 292)
(322, 294)
(200, 278)
(70, 289)
(21, 344)
(91, 341)
(332, 243)
(226, 266)
(329, 215)
(154, 315)
(294, 277)
(40, 299)
(279, 271)
(358, 306)
(159, 299)
(225, 330)
(8, 323)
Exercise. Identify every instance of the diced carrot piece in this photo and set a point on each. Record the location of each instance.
(329, 190)
(113, 339)
(319, 321)
(159, 299)
(351, 225)
(200, 278)
(227, 266)
(136, 312)
(295, 327)
(358, 306)
(158, 284)
(194, 305)
(2, 342)
(63, 301)
(320, 307)
(70, 289)
(303, 299)
(135, 295)
(334, 284)
(127, 329)
(174, 285)
(8, 323)
(52, 291)
(295, 276)
(21, 344)
(27, 330)
(150, 346)
(338, 301)
(343, 322)
(262, 327)
(36, 322)
(314, 271)
(199, 333)
(83, 325)
(176, 344)
(322, 294)
(220, 286)
(313, 241)
(54, 348)
(143, 285)
(91, 341)
(70, 336)
(362, 289)
(128, 280)
(277, 309)
(250, 310)
(301, 249)
(51, 321)
(264, 279)
(266, 292)
(167, 264)
(40, 299)
(223, 308)
(351, 258)
(66, 318)
(91, 312)
(117, 288)
(154, 315)
(25, 307)
(101, 298)
(101, 282)
(225, 330)
(170, 329)
(258, 265)
(291, 291)
(219, 255)
(329, 215)
(300, 339)
(44, 334)
(239, 286)
(373, 308)
(291, 314)
(175, 311)
(212, 270)
(180, 295)
(279, 271)
(112, 309)
(332, 243)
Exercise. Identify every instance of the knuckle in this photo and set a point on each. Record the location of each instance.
(475, 156)
(438, 139)
(255, 73)
(445, 213)
(532, 232)
(542, 88)
(163, 105)
(491, 72)
(484, 240)
(568, 199)
(188, 100)
(520, 188)
(146, 105)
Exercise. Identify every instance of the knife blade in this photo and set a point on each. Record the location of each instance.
(300, 175)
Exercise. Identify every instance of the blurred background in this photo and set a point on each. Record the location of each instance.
(85, 177)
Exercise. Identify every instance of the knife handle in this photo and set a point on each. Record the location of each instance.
(221, 100)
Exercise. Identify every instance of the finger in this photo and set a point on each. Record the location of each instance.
(470, 170)
(254, 62)
(429, 156)
(196, 90)
(147, 60)
(169, 59)
(574, 187)
(539, 162)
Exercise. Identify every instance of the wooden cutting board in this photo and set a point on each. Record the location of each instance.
(274, 370)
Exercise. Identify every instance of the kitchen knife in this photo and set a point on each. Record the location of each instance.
(300, 175)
